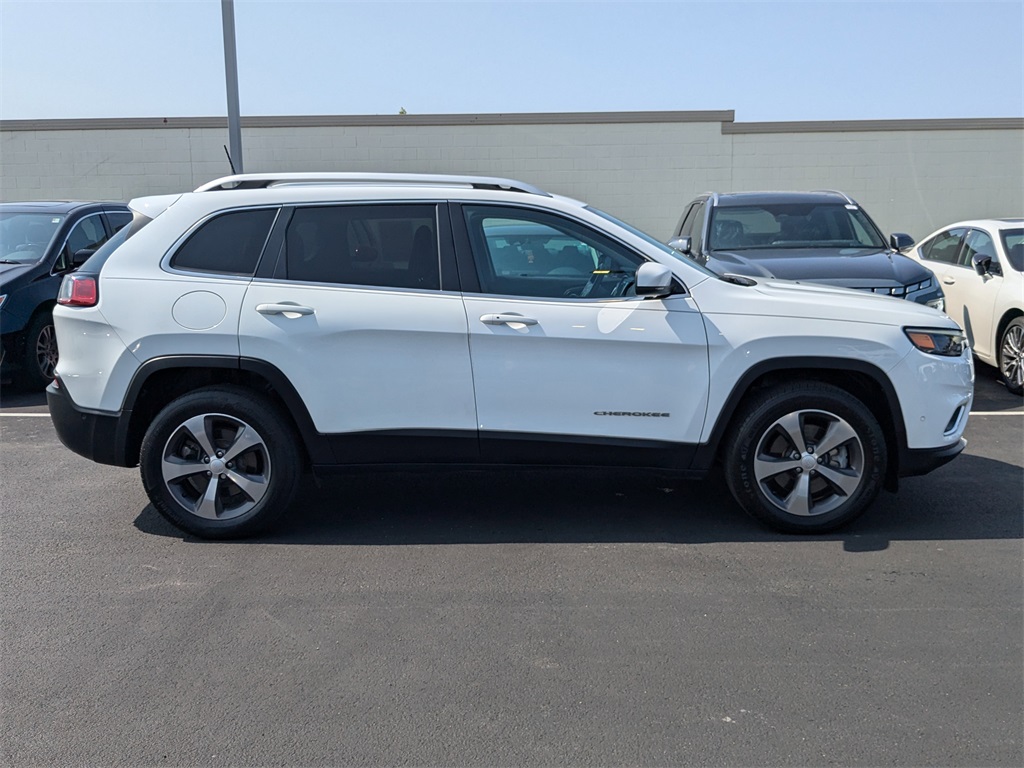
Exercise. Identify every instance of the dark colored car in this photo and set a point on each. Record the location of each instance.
(814, 237)
(39, 244)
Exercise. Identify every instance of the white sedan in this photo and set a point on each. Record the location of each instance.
(980, 265)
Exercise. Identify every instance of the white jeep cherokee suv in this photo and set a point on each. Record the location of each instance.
(230, 338)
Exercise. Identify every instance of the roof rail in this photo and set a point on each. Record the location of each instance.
(849, 200)
(269, 180)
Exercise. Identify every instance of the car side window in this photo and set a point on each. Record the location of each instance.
(696, 231)
(87, 234)
(388, 246)
(977, 243)
(519, 252)
(229, 244)
(118, 219)
(687, 221)
(944, 247)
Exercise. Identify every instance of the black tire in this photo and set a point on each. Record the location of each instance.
(39, 356)
(1011, 356)
(232, 465)
(806, 492)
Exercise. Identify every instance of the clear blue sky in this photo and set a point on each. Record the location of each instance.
(822, 60)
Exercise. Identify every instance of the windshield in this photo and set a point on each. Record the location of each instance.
(1013, 246)
(668, 251)
(25, 237)
(792, 225)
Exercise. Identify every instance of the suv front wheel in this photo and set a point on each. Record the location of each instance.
(807, 457)
(220, 462)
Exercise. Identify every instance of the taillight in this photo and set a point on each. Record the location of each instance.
(78, 291)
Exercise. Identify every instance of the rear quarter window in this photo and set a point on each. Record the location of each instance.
(228, 244)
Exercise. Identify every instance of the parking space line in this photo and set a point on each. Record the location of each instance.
(26, 415)
(997, 413)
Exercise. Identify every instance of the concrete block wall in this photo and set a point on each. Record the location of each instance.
(912, 176)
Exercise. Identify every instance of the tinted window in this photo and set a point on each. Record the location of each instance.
(696, 230)
(977, 243)
(687, 220)
(943, 247)
(228, 244)
(529, 253)
(88, 234)
(1013, 246)
(118, 219)
(380, 245)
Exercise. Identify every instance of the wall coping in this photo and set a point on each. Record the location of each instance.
(725, 117)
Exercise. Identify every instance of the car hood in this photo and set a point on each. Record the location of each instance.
(786, 299)
(10, 272)
(848, 267)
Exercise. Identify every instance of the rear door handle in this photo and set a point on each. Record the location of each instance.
(505, 318)
(288, 310)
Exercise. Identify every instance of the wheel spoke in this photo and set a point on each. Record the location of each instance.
(244, 440)
(766, 467)
(838, 432)
(196, 427)
(845, 480)
(792, 426)
(1012, 354)
(174, 468)
(799, 500)
(207, 506)
(253, 486)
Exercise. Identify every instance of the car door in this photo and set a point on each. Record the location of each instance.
(569, 365)
(940, 254)
(351, 309)
(972, 297)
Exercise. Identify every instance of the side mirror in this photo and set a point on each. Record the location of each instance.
(984, 265)
(900, 241)
(653, 279)
(682, 244)
(78, 258)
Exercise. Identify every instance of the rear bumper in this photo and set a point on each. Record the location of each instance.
(921, 461)
(96, 436)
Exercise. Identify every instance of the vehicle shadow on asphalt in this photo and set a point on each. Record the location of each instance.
(976, 498)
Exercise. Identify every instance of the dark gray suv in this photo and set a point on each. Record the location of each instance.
(815, 237)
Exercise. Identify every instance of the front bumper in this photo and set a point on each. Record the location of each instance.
(96, 436)
(921, 461)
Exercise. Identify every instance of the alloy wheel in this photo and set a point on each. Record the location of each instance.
(1011, 364)
(216, 466)
(809, 462)
(46, 351)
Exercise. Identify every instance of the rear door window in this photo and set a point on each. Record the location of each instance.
(944, 247)
(387, 246)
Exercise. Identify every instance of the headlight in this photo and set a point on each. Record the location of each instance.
(3, 299)
(944, 342)
(939, 304)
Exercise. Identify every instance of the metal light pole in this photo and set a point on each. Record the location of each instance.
(227, 9)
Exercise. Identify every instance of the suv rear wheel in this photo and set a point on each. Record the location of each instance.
(221, 462)
(806, 457)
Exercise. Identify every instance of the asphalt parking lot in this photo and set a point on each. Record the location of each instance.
(512, 618)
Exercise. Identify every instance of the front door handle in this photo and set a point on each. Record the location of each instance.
(505, 318)
(288, 310)
(948, 281)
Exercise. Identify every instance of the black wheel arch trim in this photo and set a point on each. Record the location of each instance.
(317, 446)
(706, 454)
